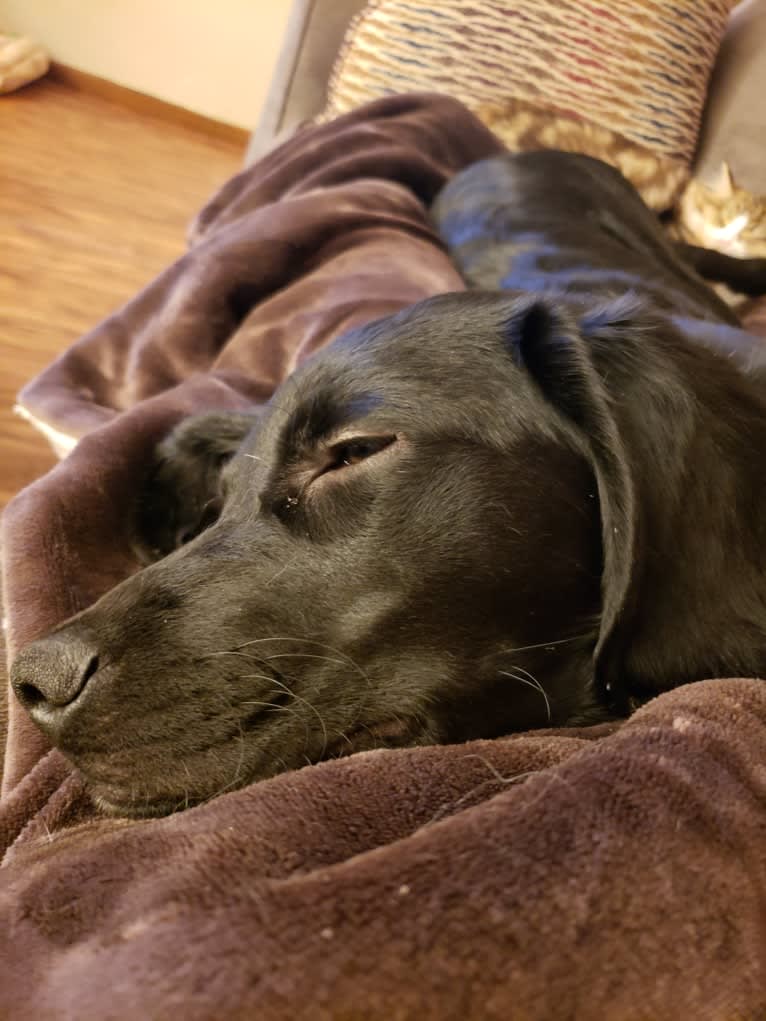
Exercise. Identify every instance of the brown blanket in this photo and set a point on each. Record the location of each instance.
(618, 872)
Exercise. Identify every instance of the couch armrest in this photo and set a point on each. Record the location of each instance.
(298, 90)
(734, 122)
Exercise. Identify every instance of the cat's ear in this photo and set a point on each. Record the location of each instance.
(724, 183)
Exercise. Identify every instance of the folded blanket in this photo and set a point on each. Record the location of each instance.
(617, 872)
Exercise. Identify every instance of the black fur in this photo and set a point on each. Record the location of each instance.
(556, 222)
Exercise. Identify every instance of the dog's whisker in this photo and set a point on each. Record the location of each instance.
(297, 698)
(269, 705)
(241, 760)
(531, 682)
(308, 641)
(187, 786)
(234, 782)
(304, 655)
(224, 652)
(262, 677)
(280, 572)
(234, 652)
(345, 662)
(309, 705)
(545, 644)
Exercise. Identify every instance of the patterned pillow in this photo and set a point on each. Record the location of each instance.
(623, 80)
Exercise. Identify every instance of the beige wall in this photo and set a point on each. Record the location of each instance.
(215, 57)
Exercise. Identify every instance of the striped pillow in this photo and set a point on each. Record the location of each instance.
(624, 80)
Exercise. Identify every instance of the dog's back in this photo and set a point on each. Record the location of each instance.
(565, 224)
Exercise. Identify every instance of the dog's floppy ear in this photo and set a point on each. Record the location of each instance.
(546, 341)
(181, 495)
(674, 434)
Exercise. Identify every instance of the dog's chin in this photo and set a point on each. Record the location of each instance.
(394, 732)
(149, 800)
(114, 799)
(116, 803)
(146, 809)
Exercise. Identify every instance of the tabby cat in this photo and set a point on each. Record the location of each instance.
(723, 216)
(523, 126)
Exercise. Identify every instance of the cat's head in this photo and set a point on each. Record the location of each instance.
(724, 216)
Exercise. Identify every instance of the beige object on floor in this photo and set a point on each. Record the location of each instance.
(21, 62)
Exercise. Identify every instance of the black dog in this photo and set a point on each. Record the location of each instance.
(485, 513)
(565, 224)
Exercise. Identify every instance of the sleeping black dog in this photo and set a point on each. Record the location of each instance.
(489, 512)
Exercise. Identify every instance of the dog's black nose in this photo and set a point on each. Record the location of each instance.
(50, 674)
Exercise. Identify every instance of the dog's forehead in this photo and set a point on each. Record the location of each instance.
(440, 337)
(438, 367)
(445, 347)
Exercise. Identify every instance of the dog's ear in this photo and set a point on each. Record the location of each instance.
(181, 495)
(547, 343)
(674, 434)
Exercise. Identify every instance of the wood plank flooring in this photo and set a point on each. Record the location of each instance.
(94, 202)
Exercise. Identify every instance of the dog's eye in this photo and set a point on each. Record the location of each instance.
(351, 452)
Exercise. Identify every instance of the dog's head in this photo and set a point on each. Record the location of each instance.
(440, 528)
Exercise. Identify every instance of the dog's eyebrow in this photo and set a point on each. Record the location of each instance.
(322, 416)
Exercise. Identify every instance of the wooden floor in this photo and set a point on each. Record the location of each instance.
(94, 202)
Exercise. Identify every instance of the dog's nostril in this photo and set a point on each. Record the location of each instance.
(90, 669)
(29, 695)
(52, 672)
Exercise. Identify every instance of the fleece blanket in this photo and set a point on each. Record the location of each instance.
(617, 872)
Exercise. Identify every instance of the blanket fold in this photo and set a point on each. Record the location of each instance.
(615, 872)
(329, 231)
